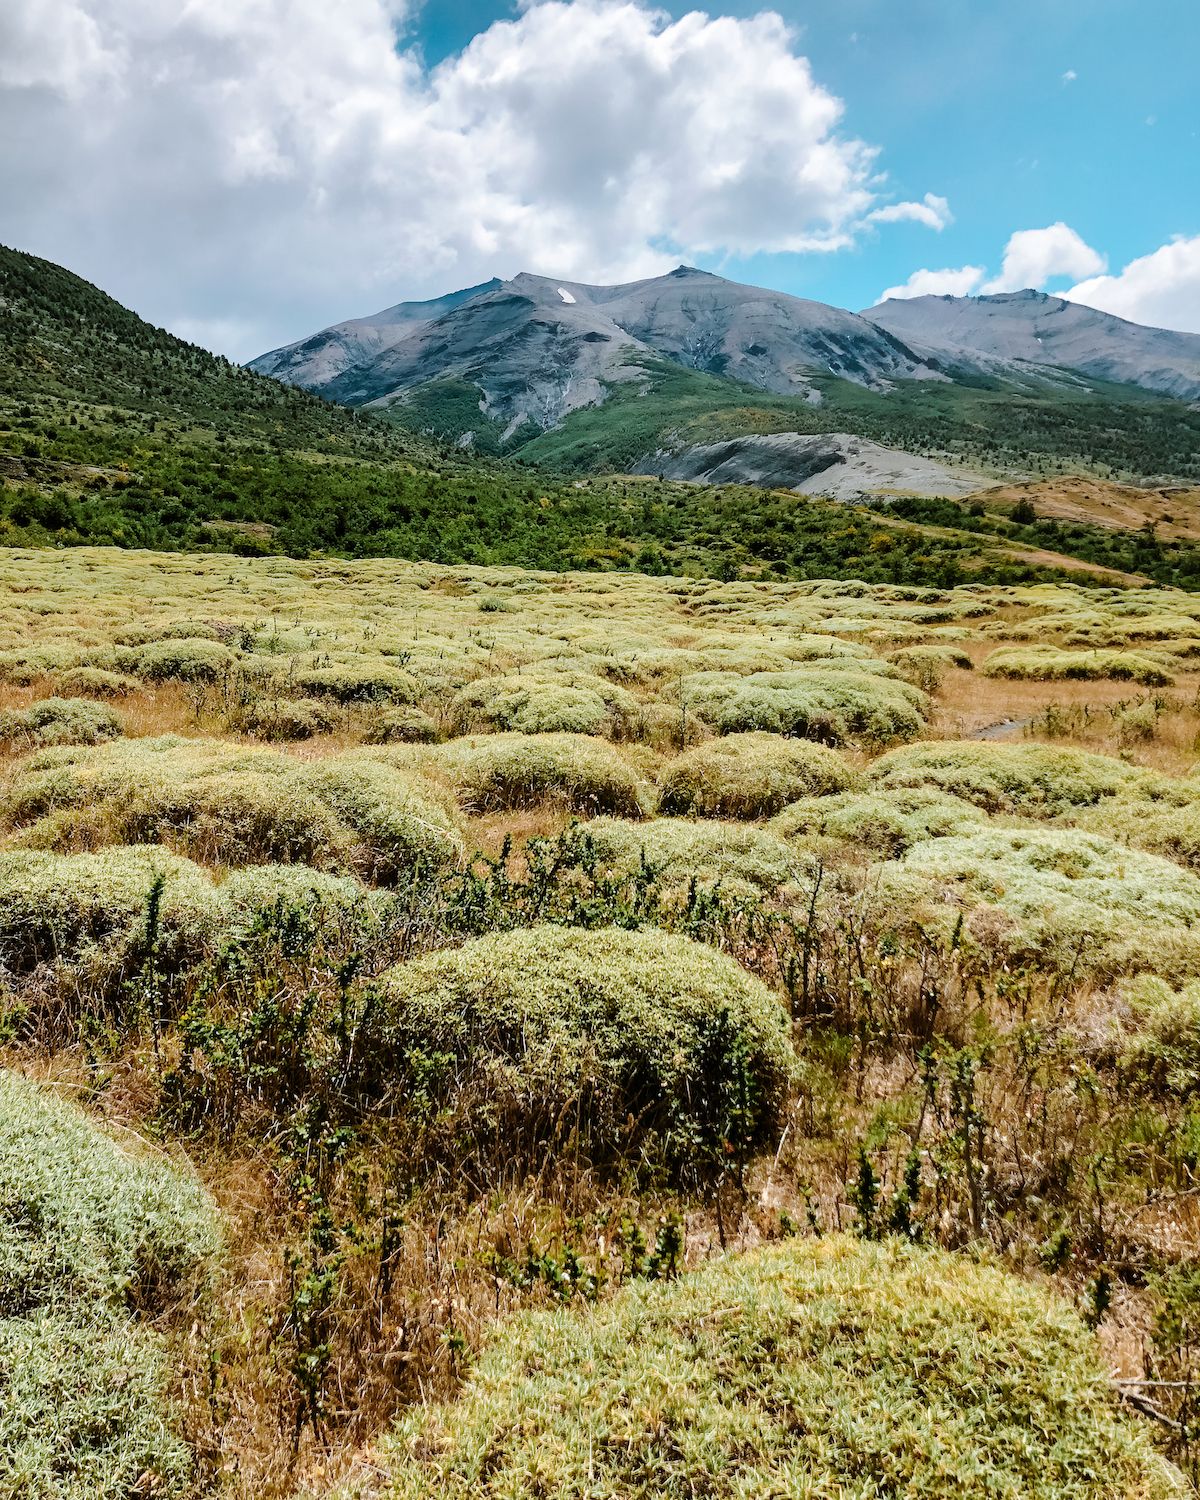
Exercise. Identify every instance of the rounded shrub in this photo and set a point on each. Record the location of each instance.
(680, 851)
(576, 771)
(183, 660)
(399, 726)
(749, 776)
(579, 704)
(321, 899)
(833, 702)
(629, 1041)
(60, 721)
(287, 719)
(95, 682)
(1033, 781)
(881, 825)
(1050, 664)
(398, 823)
(1062, 897)
(821, 1368)
(233, 805)
(90, 1233)
(96, 908)
(365, 682)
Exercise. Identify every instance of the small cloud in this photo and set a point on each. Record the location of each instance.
(945, 283)
(1070, 76)
(1033, 256)
(932, 211)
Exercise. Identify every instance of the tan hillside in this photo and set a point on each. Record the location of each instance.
(1174, 510)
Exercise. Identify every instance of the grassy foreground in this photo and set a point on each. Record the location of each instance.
(826, 1369)
(560, 979)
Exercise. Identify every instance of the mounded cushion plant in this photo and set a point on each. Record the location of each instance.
(750, 776)
(1052, 664)
(680, 851)
(92, 1234)
(94, 909)
(831, 701)
(827, 1369)
(577, 771)
(359, 682)
(580, 703)
(234, 804)
(1031, 781)
(622, 1041)
(60, 721)
(883, 825)
(1063, 897)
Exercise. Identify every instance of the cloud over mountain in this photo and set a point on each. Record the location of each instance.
(241, 164)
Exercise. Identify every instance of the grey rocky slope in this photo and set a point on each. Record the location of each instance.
(538, 347)
(315, 361)
(835, 464)
(1027, 333)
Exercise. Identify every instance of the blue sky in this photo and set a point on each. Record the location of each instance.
(975, 100)
(248, 171)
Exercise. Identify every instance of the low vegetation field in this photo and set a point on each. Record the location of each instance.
(473, 1031)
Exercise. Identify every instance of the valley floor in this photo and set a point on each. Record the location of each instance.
(428, 947)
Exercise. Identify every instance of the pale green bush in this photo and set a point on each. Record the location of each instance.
(184, 660)
(1050, 664)
(1064, 898)
(86, 1411)
(398, 822)
(819, 1368)
(882, 825)
(634, 1040)
(359, 683)
(93, 909)
(832, 702)
(233, 805)
(326, 900)
(286, 719)
(60, 721)
(709, 853)
(1036, 781)
(750, 776)
(1159, 1047)
(95, 682)
(577, 771)
(400, 726)
(89, 1231)
(85, 1222)
(583, 704)
(926, 666)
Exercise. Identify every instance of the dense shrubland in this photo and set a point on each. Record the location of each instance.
(509, 982)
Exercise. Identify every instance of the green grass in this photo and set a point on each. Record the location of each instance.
(827, 1369)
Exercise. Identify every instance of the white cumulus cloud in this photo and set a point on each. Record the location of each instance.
(258, 168)
(932, 211)
(1161, 289)
(1033, 256)
(950, 282)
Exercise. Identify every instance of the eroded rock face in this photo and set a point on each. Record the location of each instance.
(835, 464)
(1022, 333)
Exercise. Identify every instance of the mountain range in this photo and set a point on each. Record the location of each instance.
(114, 431)
(538, 348)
